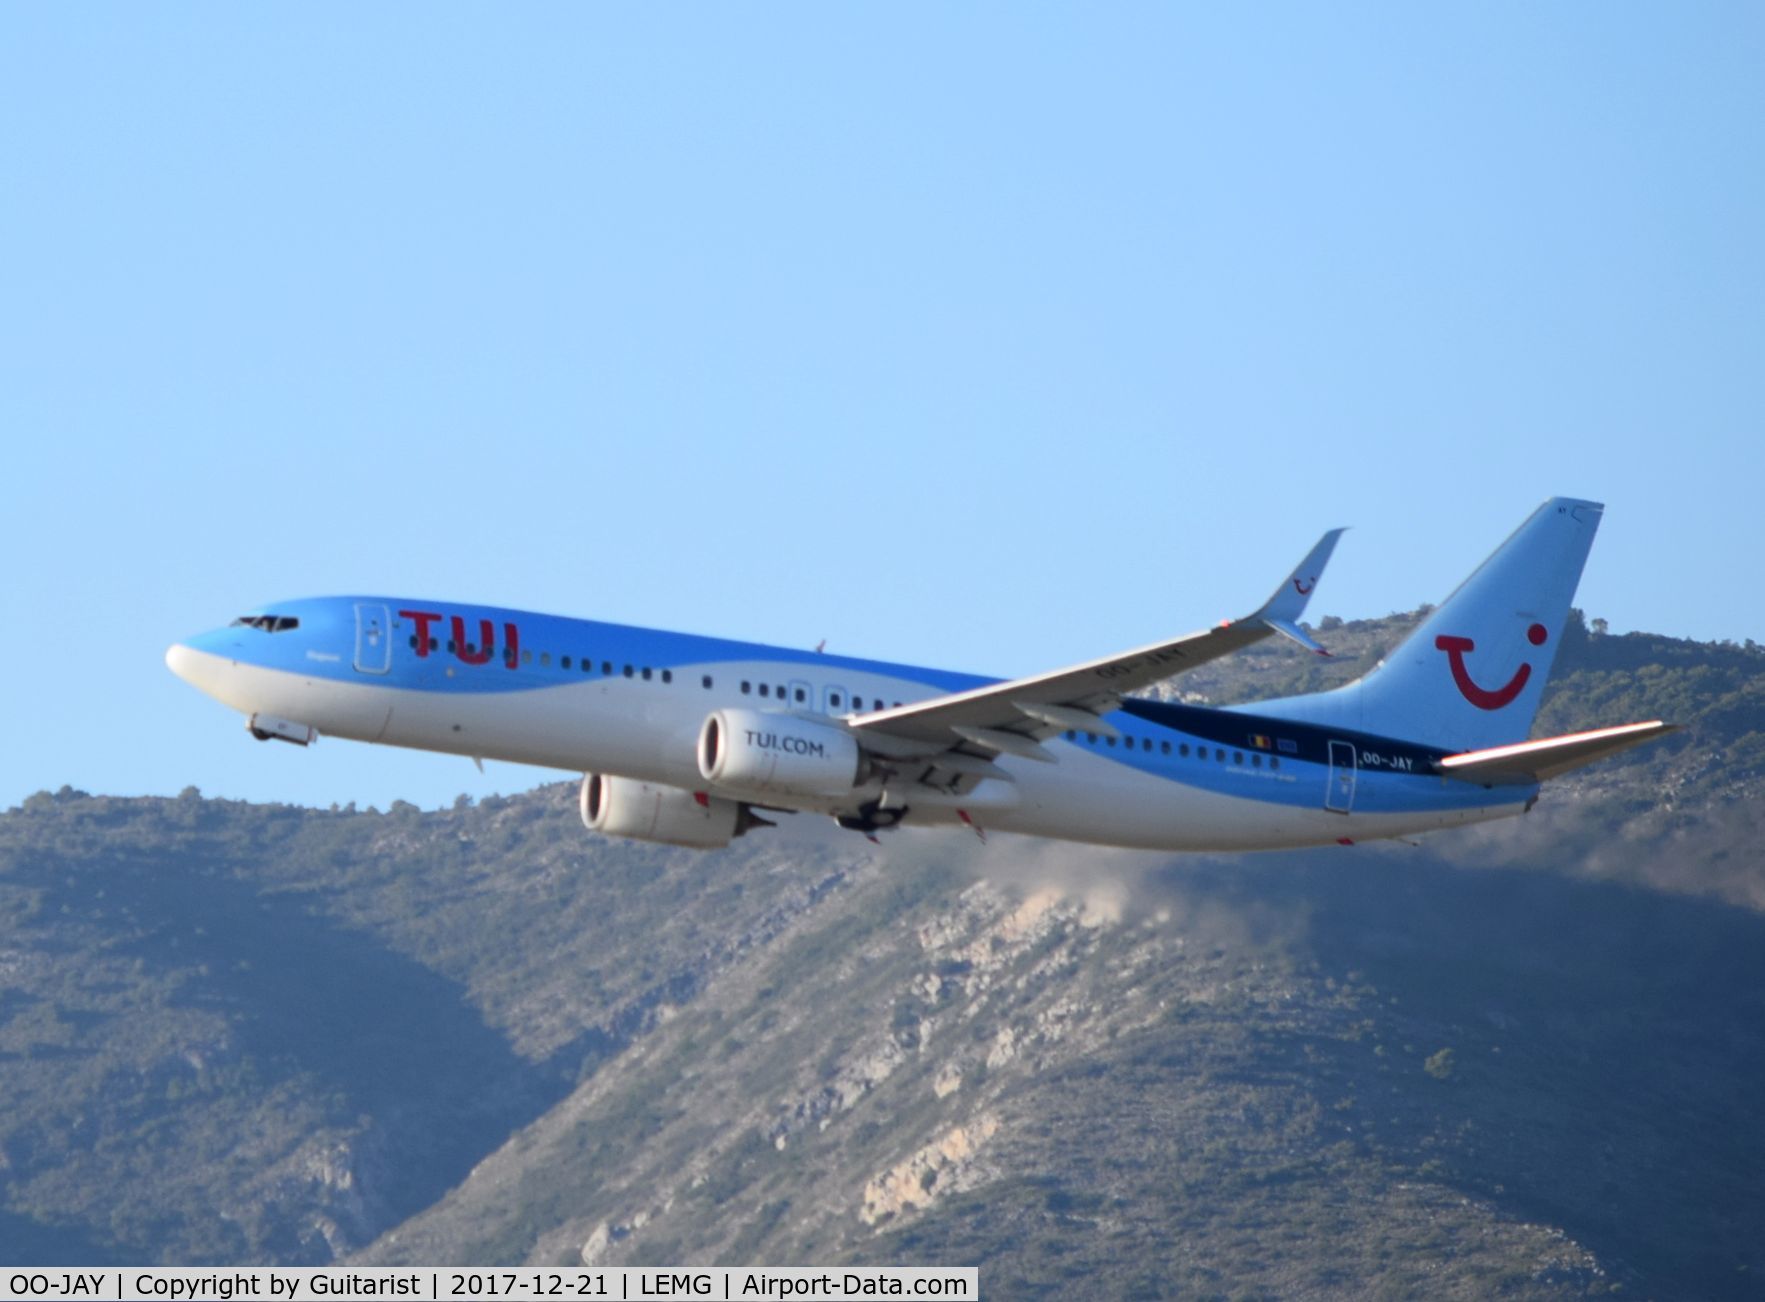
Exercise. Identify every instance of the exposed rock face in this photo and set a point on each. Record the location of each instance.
(945, 1166)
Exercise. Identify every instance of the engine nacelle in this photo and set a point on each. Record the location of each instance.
(754, 751)
(647, 811)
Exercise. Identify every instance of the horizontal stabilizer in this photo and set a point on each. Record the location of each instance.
(1533, 761)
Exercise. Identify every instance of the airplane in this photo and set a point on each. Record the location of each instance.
(692, 741)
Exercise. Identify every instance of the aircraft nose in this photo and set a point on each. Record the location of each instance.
(181, 660)
(200, 669)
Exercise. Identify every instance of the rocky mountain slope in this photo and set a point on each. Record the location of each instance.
(1520, 1058)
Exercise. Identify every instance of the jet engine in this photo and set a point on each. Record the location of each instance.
(756, 751)
(647, 811)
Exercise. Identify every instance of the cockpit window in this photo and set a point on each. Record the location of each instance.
(267, 623)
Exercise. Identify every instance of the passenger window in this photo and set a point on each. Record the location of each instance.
(1110, 740)
(765, 690)
(1256, 761)
(527, 657)
(628, 671)
(607, 667)
(833, 699)
(706, 680)
(802, 695)
(1145, 743)
(1219, 754)
(1069, 734)
(1164, 748)
(564, 663)
(1237, 757)
(1091, 737)
(746, 687)
(646, 673)
(587, 666)
(1183, 749)
(1274, 761)
(667, 675)
(545, 659)
(450, 647)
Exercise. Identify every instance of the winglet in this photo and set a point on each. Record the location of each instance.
(1281, 611)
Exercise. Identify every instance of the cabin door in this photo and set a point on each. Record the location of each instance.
(1339, 794)
(373, 638)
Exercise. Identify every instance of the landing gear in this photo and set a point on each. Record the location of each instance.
(871, 819)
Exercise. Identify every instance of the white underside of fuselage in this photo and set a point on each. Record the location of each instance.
(649, 731)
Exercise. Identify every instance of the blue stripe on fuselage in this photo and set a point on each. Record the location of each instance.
(324, 646)
(1391, 776)
(1281, 737)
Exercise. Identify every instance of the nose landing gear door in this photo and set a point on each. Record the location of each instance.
(373, 638)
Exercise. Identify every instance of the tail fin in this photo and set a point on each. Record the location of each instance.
(1472, 674)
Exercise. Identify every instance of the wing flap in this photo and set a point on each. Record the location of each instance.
(1533, 761)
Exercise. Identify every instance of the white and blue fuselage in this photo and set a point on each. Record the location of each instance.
(608, 699)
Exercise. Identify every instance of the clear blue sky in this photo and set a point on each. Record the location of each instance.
(992, 336)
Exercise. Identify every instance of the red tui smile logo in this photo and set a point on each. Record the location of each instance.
(1304, 588)
(1482, 697)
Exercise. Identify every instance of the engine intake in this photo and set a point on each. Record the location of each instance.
(755, 751)
(648, 811)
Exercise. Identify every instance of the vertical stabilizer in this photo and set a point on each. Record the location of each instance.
(1472, 674)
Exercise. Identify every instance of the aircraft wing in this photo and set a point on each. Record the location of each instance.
(1013, 717)
(1533, 761)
